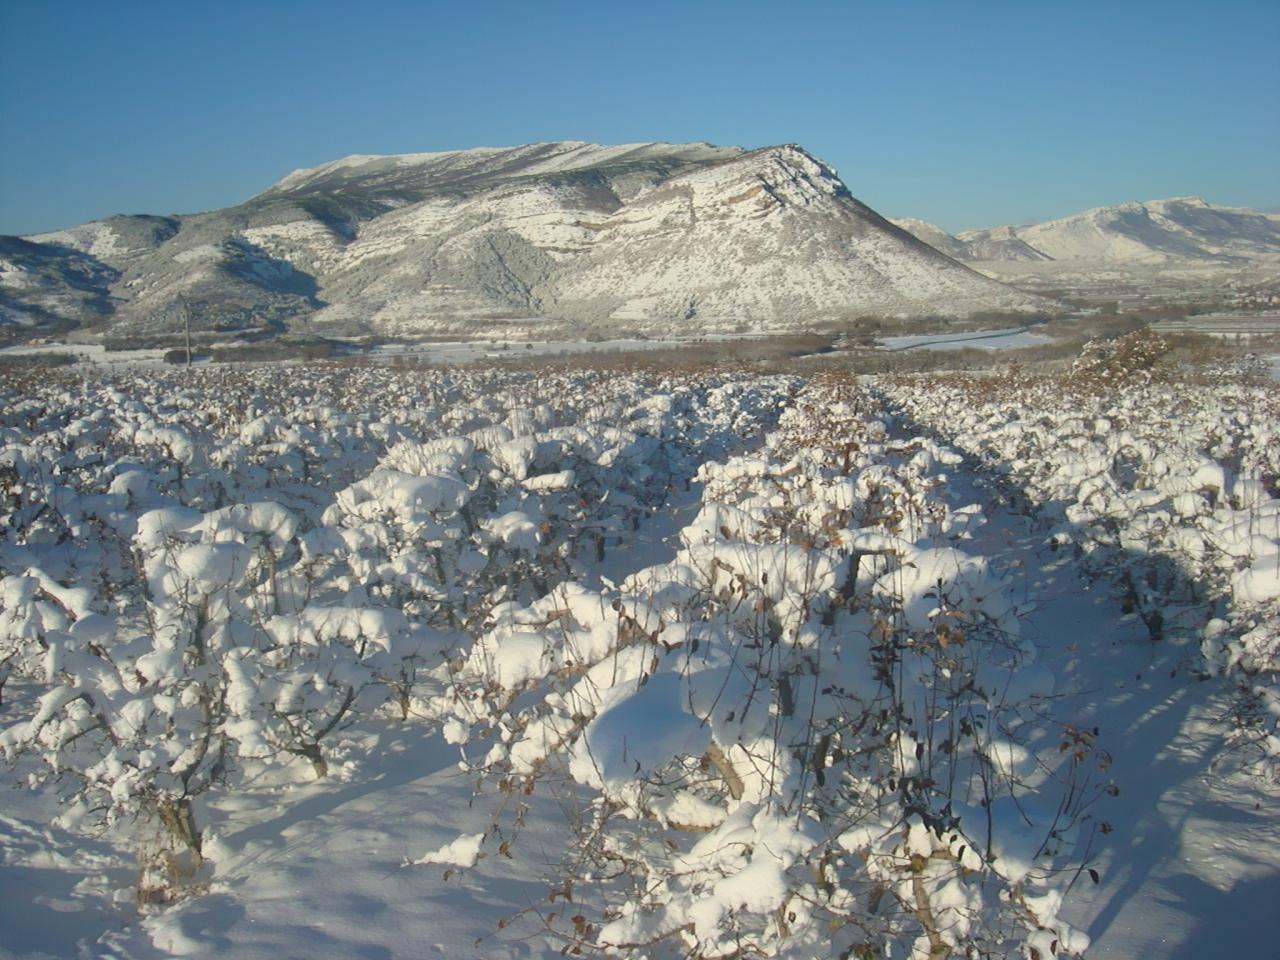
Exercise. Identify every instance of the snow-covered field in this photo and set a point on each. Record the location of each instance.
(1011, 338)
(85, 353)
(366, 661)
(442, 352)
(472, 351)
(1273, 365)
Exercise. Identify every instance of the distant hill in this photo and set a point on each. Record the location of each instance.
(1157, 232)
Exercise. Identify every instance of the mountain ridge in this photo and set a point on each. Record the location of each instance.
(1152, 232)
(561, 235)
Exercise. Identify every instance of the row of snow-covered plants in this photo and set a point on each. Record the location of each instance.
(1164, 485)
(799, 728)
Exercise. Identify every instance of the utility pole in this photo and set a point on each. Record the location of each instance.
(185, 309)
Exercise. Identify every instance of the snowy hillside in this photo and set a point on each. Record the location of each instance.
(934, 236)
(43, 289)
(672, 238)
(771, 238)
(1181, 249)
(1181, 228)
(1156, 232)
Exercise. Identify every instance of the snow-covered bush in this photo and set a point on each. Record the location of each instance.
(1127, 359)
(1165, 484)
(802, 736)
(204, 574)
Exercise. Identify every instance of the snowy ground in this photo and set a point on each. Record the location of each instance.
(314, 871)
(1010, 338)
(470, 352)
(1188, 864)
(1191, 868)
(444, 352)
(87, 353)
(317, 870)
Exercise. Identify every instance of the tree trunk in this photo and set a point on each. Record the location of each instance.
(312, 752)
(179, 819)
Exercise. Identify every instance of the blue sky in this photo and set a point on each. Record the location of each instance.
(969, 114)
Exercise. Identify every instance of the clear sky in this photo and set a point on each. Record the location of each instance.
(968, 114)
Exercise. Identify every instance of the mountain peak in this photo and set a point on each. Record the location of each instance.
(1182, 201)
(795, 155)
(657, 237)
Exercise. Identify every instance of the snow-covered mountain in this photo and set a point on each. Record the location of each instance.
(50, 288)
(934, 236)
(1157, 232)
(672, 238)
